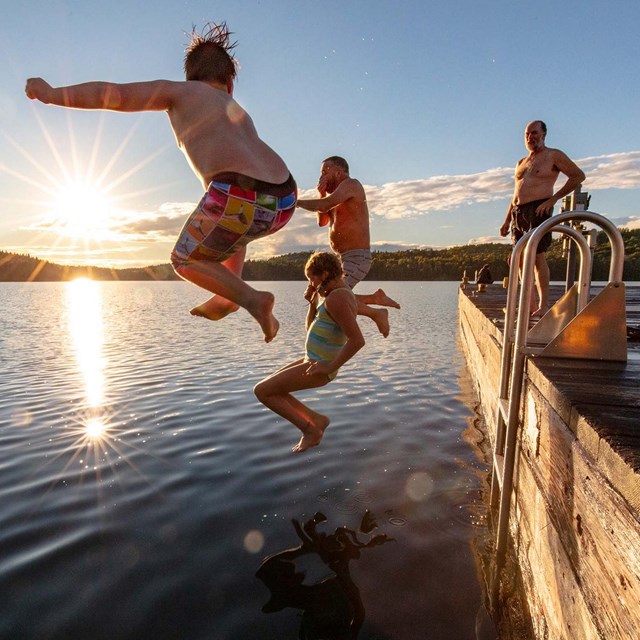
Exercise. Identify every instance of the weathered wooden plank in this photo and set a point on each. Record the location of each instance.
(557, 603)
(575, 522)
(594, 382)
(584, 534)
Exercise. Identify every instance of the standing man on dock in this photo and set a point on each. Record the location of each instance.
(343, 206)
(533, 199)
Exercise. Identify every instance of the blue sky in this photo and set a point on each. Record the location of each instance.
(427, 100)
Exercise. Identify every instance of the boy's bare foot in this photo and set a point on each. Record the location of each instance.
(311, 435)
(215, 308)
(381, 318)
(382, 299)
(262, 310)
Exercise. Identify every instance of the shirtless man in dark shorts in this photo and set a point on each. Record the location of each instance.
(533, 199)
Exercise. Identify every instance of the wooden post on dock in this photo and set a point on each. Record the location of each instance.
(577, 200)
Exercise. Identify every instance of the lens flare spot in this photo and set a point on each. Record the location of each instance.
(419, 486)
(22, 418)
(254, 541)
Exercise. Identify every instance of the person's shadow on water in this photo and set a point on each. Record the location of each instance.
(331, 607)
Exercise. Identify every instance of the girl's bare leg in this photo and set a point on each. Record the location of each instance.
(275, 393)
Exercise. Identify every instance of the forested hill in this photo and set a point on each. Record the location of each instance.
(415, 264)
(450, 264)
(23, 268)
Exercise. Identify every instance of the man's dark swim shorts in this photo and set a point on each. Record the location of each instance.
(524, 218)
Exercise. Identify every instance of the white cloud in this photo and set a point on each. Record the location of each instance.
(403, 199)
(489, 240)
(612, 171)
(628, 222)
(302, 233)
(156, 230)
(411, 198)
(391, 245)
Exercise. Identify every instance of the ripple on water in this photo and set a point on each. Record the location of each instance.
(166, 516)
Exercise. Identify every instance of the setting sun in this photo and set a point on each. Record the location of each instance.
(82, 210)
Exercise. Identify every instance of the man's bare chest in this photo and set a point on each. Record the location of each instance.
(536, 169)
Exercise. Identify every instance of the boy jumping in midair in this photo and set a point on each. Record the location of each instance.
(249, 191)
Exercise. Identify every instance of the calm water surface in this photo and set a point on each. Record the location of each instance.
(143, 486)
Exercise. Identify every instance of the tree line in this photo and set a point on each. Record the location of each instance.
(19, 267)
(452, 263)
(413, 264)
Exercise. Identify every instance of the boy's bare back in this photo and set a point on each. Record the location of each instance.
(219, 141)
(216, 134)
(213, 131)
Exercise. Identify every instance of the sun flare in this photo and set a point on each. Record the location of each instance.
(95, 428)
(82, 210)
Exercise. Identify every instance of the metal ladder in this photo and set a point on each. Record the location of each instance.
(572, 328)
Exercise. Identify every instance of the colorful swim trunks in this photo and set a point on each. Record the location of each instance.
(235, 210)
(524, 218)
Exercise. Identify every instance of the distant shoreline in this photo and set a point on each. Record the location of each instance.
(411, 265)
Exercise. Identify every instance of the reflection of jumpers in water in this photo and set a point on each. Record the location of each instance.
(332, 608)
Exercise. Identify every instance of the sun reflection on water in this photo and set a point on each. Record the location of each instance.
(94, 435)
(86, 328)
(96, 428)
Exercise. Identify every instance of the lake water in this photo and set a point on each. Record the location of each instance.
(143, 485)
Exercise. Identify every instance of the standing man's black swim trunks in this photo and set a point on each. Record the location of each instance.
(524, 218)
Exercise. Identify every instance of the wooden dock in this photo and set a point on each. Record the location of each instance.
(575, 517)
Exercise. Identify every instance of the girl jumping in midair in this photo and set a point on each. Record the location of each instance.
(333, 338)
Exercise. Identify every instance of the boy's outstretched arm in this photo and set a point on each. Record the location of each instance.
(157, 95)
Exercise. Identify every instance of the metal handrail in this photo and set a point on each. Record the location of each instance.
(508, 436)
(584, 284)
(616, 266)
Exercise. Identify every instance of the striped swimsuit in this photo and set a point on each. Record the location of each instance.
(324, 339)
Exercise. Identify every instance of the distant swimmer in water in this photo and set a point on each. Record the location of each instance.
(249, 191)
(343, 206)
(333, 338)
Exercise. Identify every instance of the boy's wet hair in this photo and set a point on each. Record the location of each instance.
(321, 261)
(208, 56)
